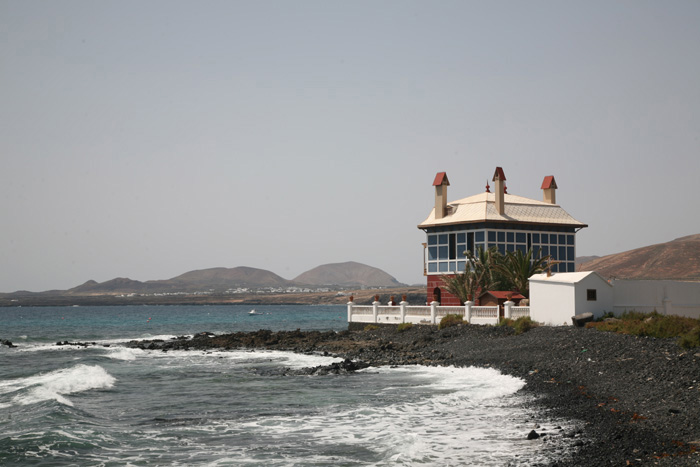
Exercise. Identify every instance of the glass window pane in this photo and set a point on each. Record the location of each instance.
(501, 237)
(570, 253)
(432, 253)
(553, 252)
(502, 249)
(461, 266)
(522, 248)
(443, 252)
(520, 237)
(492, 236)
(535, 238)
(510, 247)
(511, 237)
(553, 239)
(479, 236)
(562, 239)
(453, 266)
(461, 238)
(545, 250)
(562, 253)
(432, 267)
(443, 239)
(569, 239)
(571, 267)
(443, 266)
(432, 239)
(545, 238)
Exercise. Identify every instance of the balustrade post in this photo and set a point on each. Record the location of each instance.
(350, 305)
(375, 310)
(403, 305)
(507, 312)
(468, 310)
(433, 311)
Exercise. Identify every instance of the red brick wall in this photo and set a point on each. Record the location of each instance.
(447, 299)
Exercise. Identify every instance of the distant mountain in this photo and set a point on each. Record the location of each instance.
(219, 280)
(349, 274)
(585, 259)
(678, 259)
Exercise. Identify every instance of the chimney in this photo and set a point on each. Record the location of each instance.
(549, 186)
(499, 178)
(441, 183)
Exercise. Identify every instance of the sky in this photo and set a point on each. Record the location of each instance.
(148, 139)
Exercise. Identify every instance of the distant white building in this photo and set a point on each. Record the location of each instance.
(555, 298)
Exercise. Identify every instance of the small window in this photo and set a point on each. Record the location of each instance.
(591, 295)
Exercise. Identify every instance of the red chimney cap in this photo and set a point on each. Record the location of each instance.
(548, 183)
(498, 175)
(441, 179)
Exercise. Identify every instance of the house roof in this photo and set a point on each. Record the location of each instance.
(481, 208)
(441, 178)
(548, 183)
(567, 277)
(499, 294)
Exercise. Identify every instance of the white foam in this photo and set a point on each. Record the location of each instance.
(56, 384)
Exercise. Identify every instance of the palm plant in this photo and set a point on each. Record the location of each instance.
(518, 267)
(480, 274)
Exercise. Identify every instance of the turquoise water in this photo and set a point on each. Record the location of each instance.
(107, 405)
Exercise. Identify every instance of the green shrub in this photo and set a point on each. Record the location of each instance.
(654, 325)
(404, 327)
(520, 325)
(371, 327)
(690, 339)
(450, 320)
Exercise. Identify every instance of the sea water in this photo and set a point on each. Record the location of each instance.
(110, 405)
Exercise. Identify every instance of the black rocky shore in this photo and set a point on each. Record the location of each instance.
(635, 400)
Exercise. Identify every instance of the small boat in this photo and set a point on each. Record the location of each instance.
(253, 312)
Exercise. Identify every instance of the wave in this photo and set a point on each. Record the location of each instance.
(57, 384)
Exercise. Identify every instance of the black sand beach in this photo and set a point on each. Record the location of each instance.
(636, 400)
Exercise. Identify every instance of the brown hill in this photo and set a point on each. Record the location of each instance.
(349, 274)
(678, 259)
(224, 278)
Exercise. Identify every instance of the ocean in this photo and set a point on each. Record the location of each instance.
(108, 405)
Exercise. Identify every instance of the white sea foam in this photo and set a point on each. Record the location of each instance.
(57, 384)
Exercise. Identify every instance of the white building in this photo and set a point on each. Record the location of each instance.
(555, 298)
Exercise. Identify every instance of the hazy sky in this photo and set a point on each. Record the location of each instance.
(145, 139)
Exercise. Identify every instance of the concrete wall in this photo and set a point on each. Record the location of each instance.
(604, 296)
(667, 297)
(552, 303)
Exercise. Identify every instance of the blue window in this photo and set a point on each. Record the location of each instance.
(510, 247)
(545, 250)
(443, 252)
(570, 253)
(545, 238)
(453, 265)
(502, 249)
(432, 253)
(511, 237)
(520, 237)
(461, 238)
(432, 239)
(443, 239)
(479, 236)
(562, 253)
(443, 267)
(569, 239)
(562, 239)
(461, 266)
(553, 239)
(535, 238)
(432, 267)
(501, 237)
(553, 253)
(571, 267)
(492, 236)
(522, 248)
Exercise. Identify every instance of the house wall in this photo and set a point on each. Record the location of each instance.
(447, 299)
(552, 303)
(668, 297)
(604, 296)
